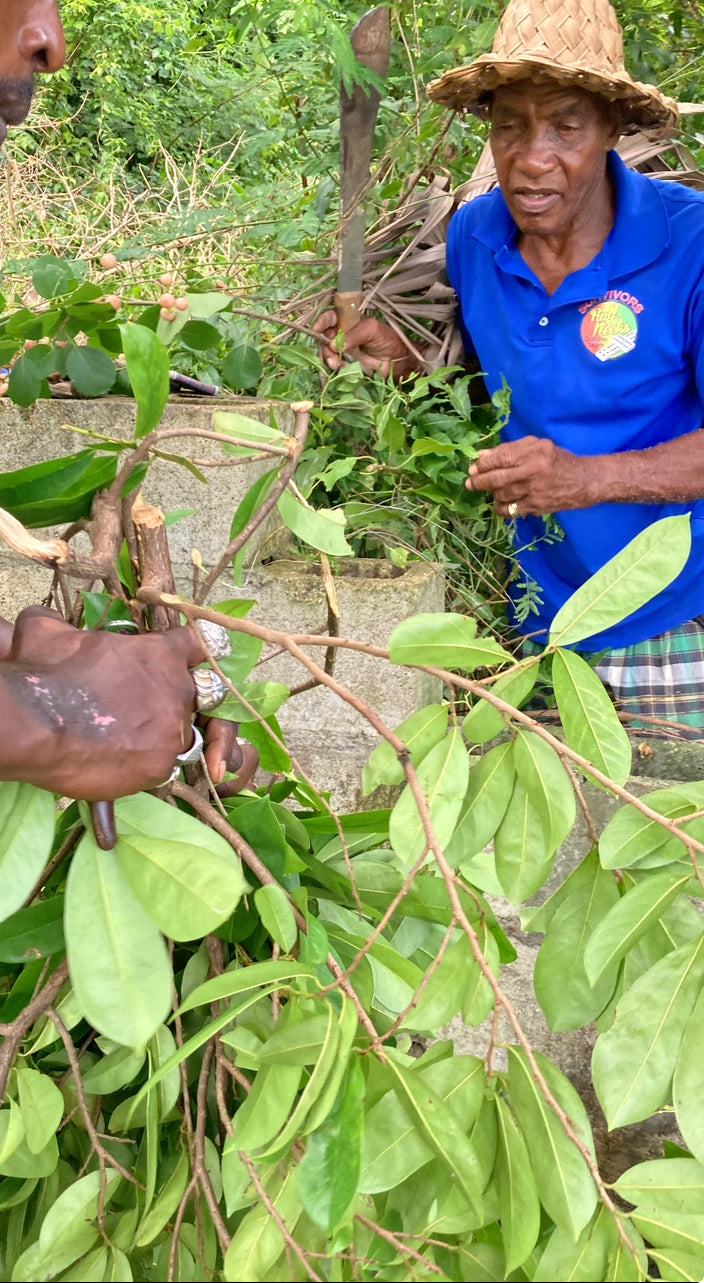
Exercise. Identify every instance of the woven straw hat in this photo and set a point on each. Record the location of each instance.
(573, 42)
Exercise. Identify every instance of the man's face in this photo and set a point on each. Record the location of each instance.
(31, 43)
(549, 146)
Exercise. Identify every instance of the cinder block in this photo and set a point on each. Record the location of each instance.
(331, 739)
(41, 432)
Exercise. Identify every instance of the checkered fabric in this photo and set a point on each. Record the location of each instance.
(660, 679)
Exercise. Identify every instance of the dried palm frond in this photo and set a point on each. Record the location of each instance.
(404, 262)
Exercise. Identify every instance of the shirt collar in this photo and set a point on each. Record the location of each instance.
(639, 235)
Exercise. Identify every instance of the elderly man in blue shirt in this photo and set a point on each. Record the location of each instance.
(581, 283)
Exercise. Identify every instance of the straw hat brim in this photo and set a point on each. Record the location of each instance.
(467, 88)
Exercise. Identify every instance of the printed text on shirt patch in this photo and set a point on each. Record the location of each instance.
(610, 329)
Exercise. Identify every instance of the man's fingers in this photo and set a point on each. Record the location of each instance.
(327, 321)
(222, 751)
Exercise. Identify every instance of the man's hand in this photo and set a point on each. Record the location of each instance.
(92, 715)
(533, 477)
(376, 346)
(225, 753)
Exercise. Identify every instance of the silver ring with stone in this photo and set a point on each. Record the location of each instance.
(513, 510)
(210, 689)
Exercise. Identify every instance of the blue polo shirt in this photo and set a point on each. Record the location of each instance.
(612, 361)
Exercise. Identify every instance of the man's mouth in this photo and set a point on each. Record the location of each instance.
(535, 200)
(15, 102)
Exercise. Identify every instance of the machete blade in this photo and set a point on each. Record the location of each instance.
(371, 42)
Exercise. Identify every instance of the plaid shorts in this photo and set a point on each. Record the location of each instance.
(661, 679)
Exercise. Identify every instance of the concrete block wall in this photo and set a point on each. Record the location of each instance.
(331, 739)
(41, 432)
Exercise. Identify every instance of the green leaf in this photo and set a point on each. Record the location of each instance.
(588, 716)
(277, 916)
(628, 920)
(56, 491)
(630, 836)
(544, 778)
(148, 369)
(444, 641)
(328, 1177)
(242, 368)
(582, 1260)
(26, 384)
(257, 1242)
(676, 1266)
(246, 653)
(688, 1081)
(199, 335)
(296, 1044)
(442, 777)
(119, 966)
(565, 1186)
(633, 1062)
(440, 1129)
(42, 1107)
(484, 721)
(262, 1115)
(633, 577)
(562, 986)
(519, 1205)
(322, 528)
(243, 980)
(259, 825)
(36, 932)
(489, 792)
(523, 859)
(313, 1089)
(265, 698)
(185, 876)
(669, 1197)
(67, 1230)
(91, 371)
(26, 837)
(394, 1146)
(165, 1206)
(52, 276)
(420, 732)
(12, 1132)
(114, 1071)
(347, 1029)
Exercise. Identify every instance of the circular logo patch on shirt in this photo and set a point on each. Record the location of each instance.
(609, 330)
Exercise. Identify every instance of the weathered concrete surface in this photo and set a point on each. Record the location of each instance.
(39, 433)
(332, 740)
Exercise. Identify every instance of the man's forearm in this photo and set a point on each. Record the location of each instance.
(669, 473)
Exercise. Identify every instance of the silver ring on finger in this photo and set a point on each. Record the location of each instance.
(513, 511)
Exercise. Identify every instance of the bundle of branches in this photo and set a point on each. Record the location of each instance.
(404, 262)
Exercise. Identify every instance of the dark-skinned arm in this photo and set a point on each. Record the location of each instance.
(540, 477)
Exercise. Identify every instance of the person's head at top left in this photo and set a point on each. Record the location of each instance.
(31, 43)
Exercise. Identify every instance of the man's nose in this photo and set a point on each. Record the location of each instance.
(537, 153)
(41, 40)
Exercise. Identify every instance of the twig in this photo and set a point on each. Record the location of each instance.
(101, 1153)
(200, 1169)
(301, 410)
(437, 960)
(402, 1249)
(189, 1191)
(14, 1033)
(594, 836)
(286, 1234)
(63, 852)
(249, 857)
